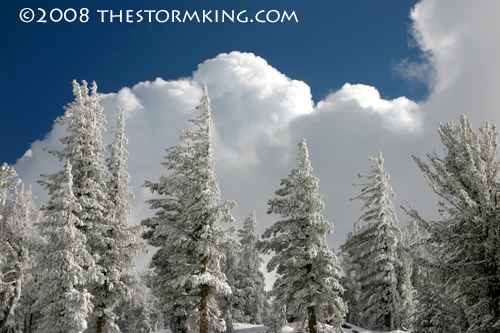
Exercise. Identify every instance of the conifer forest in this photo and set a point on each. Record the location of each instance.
(69, 264)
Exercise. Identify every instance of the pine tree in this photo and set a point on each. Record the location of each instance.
(249, 295)
(187, 263)
(372, 249)
(352, 290)
(65, 265)
(18, 214)
(465, 244)
(307, 272)
(405, 273)
(435, 308)
(84, 150)
(141, 313)
(229, 266)
(101, 194)
(122, 249)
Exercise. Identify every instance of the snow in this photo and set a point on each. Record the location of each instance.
(349, 328)
(249, 328)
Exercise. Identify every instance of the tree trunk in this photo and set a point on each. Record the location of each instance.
(180, 324)
(100, 324)
(204, 303)
(388, 321)
(28, 322)
(12, 302)
(312, 319)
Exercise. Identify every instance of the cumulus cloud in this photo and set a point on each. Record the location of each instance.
(259, 114)
(459, 43)
(399, 115)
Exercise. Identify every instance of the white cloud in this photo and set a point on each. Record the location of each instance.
(258, 113)
(459, 41)
(399, 115)
(28, 153)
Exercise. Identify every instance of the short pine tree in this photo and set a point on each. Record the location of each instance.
(307, 272)
(352, 290)
(64, 262)
(372, 251)
(187, 263)
(249, 295)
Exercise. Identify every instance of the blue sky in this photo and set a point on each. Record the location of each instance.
(334, 42)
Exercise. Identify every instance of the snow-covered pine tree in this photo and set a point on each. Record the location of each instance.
(84, 150)
(18, 214)
(249, 294)
(8, 181)
(187, 263)
(466, 242)
(122, 249)
(351, 290)
(275, 317)
(372, 249)
(308, 276)
(230, 269)
(65, 266)
(435, 308)
(405, 274)
(141, 313)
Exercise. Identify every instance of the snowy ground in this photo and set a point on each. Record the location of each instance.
(249, 328)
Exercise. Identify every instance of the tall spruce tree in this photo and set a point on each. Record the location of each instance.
(308, 276)
(84, 151)
(118, 258)
(187, 263)
(65, 265)
(372, 251)
(465, 244)
(249, 295)
(100, 192)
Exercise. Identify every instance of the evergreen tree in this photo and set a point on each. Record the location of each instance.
(101, 193)
(64, 263)
(352, 291)
(372, 249)
(435, 309)
(275, 318)
(230, 269)
(18, 214)
(465, 244)
(122, 249)
(187, 263)
(142, 312)
(405, 273)
(249, 295)
(307, 272)
(84, 151)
